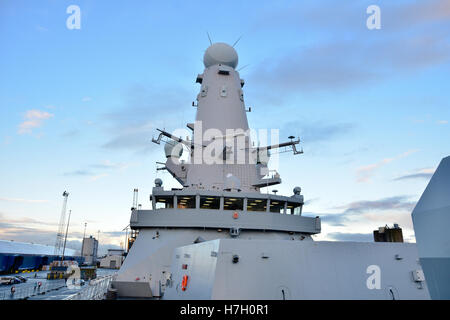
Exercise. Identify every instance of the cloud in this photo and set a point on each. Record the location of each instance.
(365, 173)
(391, 203)
(22, 221)
(117, 234)
(419, 12)
(133, 138)
(311, 200)
(386, 210)
(99, 176)
(360, 237)
(145, 108)
(345, 64)
(27, 230)
(33, 119)
(71, 133)
(332, 219)
(78, 173)
(345, 54)
(314, 68)
(105, 165)
(311, 132)
(86, 99)
(35, 231)
(425, 173)
(442, 121)
(319, 131)
(23, 200)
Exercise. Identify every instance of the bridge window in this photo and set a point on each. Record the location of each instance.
(276, 206)
(164, 202)
(233, 203)
(294, 208)
(186, 202)
(256, 204)
(209, 203)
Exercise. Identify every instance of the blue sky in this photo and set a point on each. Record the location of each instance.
(78, 107)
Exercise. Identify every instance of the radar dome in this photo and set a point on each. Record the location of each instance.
(220, 53)
(158, 182)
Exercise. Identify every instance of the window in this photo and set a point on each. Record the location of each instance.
(294, 208)
(223, 72)
(164, 202)
(209, 203)
(256, 204)
(233, 203)
(276, 206)
(186, 202)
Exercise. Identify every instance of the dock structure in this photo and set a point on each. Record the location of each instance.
(16, 257)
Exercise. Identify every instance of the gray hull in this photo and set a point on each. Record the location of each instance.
(431, 218)
(280, 269)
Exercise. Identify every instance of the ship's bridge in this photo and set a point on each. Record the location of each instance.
(225, 209)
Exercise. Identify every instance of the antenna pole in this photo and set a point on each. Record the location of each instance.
(210, 42)
(235, 43)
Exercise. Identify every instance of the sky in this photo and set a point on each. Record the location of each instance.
(78, 107)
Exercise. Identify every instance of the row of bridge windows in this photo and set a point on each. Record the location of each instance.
(229, 203)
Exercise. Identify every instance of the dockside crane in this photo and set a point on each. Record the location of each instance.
(60, 235)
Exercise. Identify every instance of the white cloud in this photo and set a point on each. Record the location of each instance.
(99, 176)
(424, 173)
(23, 200)
(33, 119)
(442, 122)
(364, 173)
(86, 99)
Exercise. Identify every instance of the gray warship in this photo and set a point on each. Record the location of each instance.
(220, 237)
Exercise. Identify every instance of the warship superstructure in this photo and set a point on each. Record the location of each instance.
(220, 237)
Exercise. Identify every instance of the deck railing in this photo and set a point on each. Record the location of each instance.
(94, 290)
(31, 290)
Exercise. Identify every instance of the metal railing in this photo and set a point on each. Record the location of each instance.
(94, 290)
(30, 290)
